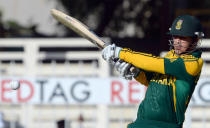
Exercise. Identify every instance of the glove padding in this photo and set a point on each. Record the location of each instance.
(111, 53)
(124, 69)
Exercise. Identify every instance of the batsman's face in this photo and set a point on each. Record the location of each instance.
(181, 44)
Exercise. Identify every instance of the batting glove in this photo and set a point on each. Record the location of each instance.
(111, 53)
(124, 69)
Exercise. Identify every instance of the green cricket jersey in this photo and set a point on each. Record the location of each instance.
(171, 81)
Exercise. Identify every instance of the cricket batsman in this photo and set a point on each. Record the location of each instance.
(171, 80)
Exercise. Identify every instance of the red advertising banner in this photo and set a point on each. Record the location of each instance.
(64, 90)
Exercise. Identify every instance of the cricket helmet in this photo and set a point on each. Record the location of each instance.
(186, 25)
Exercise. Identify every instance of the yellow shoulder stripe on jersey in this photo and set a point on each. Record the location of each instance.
(194, 67)
(193, 64)
(144, 61)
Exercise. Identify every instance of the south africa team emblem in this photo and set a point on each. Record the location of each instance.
(179, 24)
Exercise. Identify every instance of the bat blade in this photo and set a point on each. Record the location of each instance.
(78, 27)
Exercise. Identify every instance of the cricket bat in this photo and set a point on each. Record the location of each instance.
(78, 27)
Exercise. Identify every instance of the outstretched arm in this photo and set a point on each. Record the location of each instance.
(144, 61)
(176, 66)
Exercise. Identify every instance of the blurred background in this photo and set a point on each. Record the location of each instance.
(64, 81)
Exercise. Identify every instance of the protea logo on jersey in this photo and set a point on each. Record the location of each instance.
(179, 24)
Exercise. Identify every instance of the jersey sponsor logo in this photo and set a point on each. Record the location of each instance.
(179, 24)
(163, 79)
